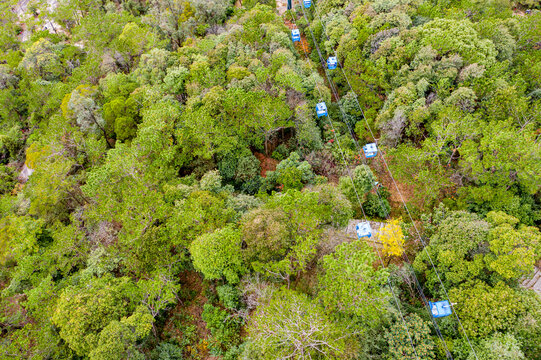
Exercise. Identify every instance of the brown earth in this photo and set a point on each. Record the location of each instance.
(267, 163)
(382, 173)
(193, 308)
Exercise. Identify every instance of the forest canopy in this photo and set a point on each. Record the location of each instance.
(168, 189)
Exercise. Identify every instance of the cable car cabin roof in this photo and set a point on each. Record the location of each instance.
(351, 229)
(295, 35)
(370, 148)
(440, 308)
(321, 109)
(331, 63)
(363, 229)
(321, 106)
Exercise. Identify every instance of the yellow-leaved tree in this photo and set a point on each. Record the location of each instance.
(392, 238)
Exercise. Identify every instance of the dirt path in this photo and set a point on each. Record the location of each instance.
(382, 173)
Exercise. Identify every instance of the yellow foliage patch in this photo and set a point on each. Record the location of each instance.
(34, 153)
(392, 238)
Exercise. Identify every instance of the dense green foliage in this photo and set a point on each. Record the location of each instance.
(168, 192)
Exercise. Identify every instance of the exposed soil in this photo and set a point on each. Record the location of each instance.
(192, 309)
(13, 314)
(194, 281)
(407, 191)
(267, 163)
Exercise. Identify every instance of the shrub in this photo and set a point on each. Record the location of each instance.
(376, 206)
(7, 179)
(247, 168)
(229, 296)
(218, 254)
(224, 328)
(280, 153)
(167, 351)
(211, 181)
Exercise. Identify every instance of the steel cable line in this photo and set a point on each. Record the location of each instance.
(417, 282)
(362, 209)
(394, 183)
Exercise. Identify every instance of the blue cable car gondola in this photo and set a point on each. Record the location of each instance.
(331, 63)
(307, 3)
(364, 230)
(321, 109)
(440, 308)
(296, 35)
(370, 150)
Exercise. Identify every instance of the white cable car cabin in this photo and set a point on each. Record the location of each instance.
(370, 150)
(331, 63)
(307, 3)
(321, 109)
(364, 229)
(296, 35)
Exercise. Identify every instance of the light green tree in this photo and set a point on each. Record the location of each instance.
(265, 233)
(484, 309)
(118, 340)
(350, 285)
(218, 254)
(84, 311)
(513, 251)
(456, 250)
(498, 346)
(290, 324)
(42, 60)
